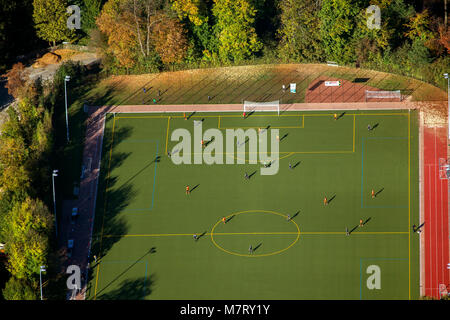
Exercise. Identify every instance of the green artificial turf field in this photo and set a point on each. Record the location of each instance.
(144, 222)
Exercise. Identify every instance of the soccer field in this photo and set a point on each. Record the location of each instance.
(145, 221)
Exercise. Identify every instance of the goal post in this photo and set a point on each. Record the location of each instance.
(250, 106)
(396, 94)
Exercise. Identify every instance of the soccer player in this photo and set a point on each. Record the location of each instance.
(250, 249)
(361, 223)
(203, 143)
(243, 115)
(414, 228)
(143, 89)
(290, 165)
(373, 194)
(224, 220)
(346, 231)
(184, 115)
(369, 127)
(195, 237)
(246, 176)
(335, 116)
(187, 190)
(325, 201)
(288, 217)
(169, 154)
(154, 101)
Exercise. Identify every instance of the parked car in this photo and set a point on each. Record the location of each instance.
(74, 215)
(69, 248)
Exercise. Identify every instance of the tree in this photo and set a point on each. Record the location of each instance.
(236, 33)
(300, 30)
(419, 27)
(117, 26)
(170, 40)
(50, 18)
(128, 26)
(191, 9)
(16, 289)
(337, 27)
(91, 10)
(27, 232)
(196, 17)
(16, 81)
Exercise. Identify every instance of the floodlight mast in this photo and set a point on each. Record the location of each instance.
(54, 174)
(66, 78)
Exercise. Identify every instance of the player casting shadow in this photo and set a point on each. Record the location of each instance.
(190, 116)
(368, 219)
(208, 142)
(331, 199)
(153, 249)
(341, 115)
(281, 139)
(295, 165)
(354, 228)
(296, 214)
(249, 114)
(257, 247)
(379, 191)
(229, 219)
(415, 229)
(195, 187)
(252, 174)
(198, 238)
(157, 159)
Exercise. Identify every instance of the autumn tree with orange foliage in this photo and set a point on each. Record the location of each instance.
(170, 40)
(16, 81)
(117, 24)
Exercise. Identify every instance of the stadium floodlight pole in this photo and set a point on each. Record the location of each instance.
(66, 78)
(54, 174)
(448, 101)
(41, 269)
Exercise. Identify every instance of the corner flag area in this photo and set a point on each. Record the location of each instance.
(239, 234)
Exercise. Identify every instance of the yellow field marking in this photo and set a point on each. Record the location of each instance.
(409, 205)
(104, 206)
(251, 233)
(255, 127)
(255, 255)
(354, 121)
(167, 136)
(265, 115)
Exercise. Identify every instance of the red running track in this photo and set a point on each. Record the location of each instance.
(436, 228)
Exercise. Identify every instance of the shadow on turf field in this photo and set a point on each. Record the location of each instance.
(135, 289)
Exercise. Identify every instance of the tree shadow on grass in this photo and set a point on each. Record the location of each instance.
(140, 293)
(131, 289)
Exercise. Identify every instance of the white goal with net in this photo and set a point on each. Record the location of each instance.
(250, 106)
(396, 94)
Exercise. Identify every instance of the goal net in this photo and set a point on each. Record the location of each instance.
(383, 95)
(250, 106)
